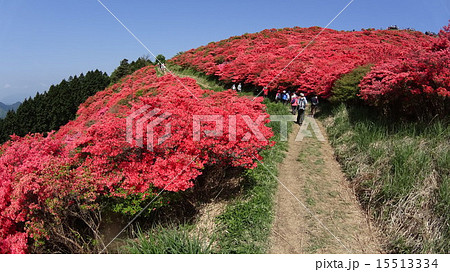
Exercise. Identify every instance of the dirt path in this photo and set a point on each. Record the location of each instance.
(311, 173)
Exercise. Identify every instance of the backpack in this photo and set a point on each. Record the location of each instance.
(314, 101)
(277, 96)
(301, 104)
(294, 100)
(284, 97)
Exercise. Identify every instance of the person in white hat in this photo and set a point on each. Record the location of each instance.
(301, 109)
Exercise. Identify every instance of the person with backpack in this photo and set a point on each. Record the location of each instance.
(301, 109)
(294, 103)
(239, 87)
(278, 97)
(284, 97)
(314, 104)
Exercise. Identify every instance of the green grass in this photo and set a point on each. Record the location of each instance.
(168, 240)
(204, 81)
(401, 172)
(246, 223)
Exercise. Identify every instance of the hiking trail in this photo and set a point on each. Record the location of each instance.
(311, 173)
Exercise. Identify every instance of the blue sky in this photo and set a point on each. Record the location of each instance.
(43, 42)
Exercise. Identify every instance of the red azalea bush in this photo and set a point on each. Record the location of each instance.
(42, 178)
(416, 84)
(26, 167)
(39, 182)
(256, 59)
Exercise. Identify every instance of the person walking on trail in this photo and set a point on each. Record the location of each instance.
(265, 91)
(233, 87)
(314, 104)
(284, 97)
(278, 97)
(294, 103)
(301, 109)
(239, 87)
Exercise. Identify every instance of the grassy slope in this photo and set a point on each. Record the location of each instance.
(401, 172)
(204, 81)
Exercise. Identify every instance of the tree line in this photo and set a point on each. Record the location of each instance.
(57, 106)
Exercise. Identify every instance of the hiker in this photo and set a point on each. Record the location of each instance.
(301, 109)
(314, 103)
(265, 91)
(239, 87)
(284, 97)
(163, 68)
(278, 97)
(294, 103)
(233, 87)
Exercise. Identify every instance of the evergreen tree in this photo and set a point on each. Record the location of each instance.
(160, 59)
(140, 63)
(121, 71)
(54, 108)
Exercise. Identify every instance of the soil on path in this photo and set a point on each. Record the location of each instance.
(311, 173)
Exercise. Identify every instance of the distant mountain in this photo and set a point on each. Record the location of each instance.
(5, 108)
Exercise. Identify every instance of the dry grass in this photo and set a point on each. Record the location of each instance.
(401, 175)
(206, 220)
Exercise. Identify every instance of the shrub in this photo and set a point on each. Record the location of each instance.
(415, 85)
(346, 89)
(59, 180)
(257, 59)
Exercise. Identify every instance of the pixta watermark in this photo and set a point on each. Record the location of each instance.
(141, 124)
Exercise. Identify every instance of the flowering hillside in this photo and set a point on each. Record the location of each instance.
(46, 180)
(257, 58)
(415, 83)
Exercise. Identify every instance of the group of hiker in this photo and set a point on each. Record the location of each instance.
(297, 100)
(162, 67)
(298, 104)
(239, 87)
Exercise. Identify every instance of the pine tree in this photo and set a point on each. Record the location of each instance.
(160, 59)
(121, 71)
(54, 108)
